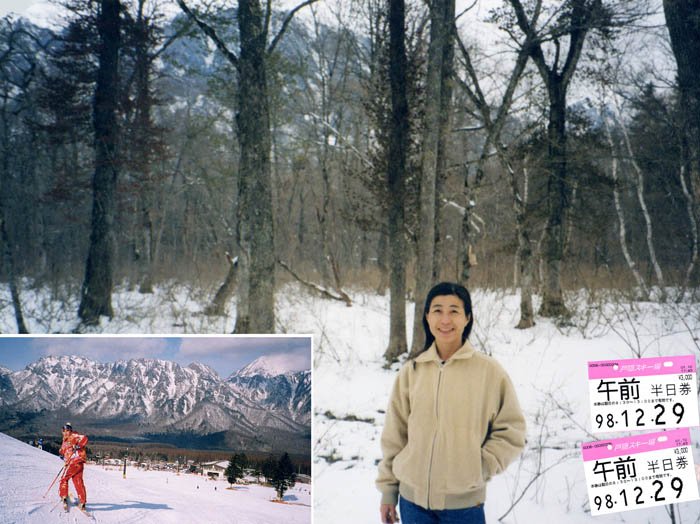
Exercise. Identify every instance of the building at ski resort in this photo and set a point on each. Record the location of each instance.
(214, 469)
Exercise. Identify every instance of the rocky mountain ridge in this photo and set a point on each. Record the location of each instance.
(143, 397)
(268, 385)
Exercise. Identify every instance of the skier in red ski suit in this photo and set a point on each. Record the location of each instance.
(73, 451)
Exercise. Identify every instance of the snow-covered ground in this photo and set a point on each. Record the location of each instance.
(548, 365)
(172, 308)
(144, 497)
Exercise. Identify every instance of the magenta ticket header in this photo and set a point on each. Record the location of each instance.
(639, 367)
(603, 449)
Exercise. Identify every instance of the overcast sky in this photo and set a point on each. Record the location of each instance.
(225, 354)
(36, 10)
(16, 6)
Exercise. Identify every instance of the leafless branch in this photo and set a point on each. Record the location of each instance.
(314, 287)
(286, 22)
(209, 31)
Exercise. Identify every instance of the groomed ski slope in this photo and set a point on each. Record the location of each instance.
(144, 497)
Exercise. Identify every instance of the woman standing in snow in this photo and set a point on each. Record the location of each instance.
(453, 421)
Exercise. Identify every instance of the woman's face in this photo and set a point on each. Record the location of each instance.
(447, 320)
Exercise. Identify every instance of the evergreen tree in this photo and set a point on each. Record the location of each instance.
(283, 476)
(234, 471)
(268, 469)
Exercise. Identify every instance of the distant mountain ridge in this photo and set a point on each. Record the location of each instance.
(143, 397)
(268, 384)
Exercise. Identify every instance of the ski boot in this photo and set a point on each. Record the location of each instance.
(81, 507)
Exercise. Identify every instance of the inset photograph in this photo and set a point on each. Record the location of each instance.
(156, 429)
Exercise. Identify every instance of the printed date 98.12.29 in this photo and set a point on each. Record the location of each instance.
(637, 498)
(657, 417)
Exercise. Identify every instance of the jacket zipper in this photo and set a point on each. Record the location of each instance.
(437, 425)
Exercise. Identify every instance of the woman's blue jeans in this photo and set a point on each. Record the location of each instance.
(411, 513)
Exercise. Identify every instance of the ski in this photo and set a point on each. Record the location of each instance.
(86, 513)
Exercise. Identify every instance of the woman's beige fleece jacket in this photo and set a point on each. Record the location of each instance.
(449, 427)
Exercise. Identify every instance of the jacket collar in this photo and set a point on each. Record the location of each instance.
(466, 351)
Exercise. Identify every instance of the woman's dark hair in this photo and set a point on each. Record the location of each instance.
(442, 289)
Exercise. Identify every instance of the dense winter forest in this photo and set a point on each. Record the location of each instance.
(235, 146)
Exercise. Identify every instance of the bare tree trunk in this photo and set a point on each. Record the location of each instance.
(146, 241)
(11, 275)
(143, 148)
(466, 233)
(643, 205)
(525, 256)
(96, 299)
(324, 257)
(301, 226)
(7, 257)
(444, 127)
(425, 243)
(693, 219)
(527, 315)
(688, 170)
(254, 133)
(242, 325)
(683, 22)
(439, 240)
(382, 263)
(620, 213)
(557, 204)
(398, 147)
(570, 223)
(322, 217)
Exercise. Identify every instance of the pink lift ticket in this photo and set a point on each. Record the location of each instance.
(643, 394)
(639, 472)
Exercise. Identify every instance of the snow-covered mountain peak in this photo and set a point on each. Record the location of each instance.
(202, 369)
(265, 366)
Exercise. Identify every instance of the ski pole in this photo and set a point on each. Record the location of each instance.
(54, 481)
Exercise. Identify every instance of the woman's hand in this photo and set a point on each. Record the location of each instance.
(389, 515)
